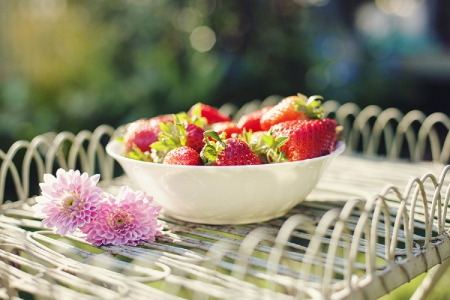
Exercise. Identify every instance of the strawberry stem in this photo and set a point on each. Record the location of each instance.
(137, 154)
(173, 134)
(213, 146)
(196, 115)
(311, 106)
(267, 148)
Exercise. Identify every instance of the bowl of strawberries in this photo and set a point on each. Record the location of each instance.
(203, 167)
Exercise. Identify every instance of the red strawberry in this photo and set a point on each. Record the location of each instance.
(307, 138)
(228, 127)
(292, 108)
(194, 136)
(251, 121)
(228, 152)
(141, 134)
(211, 114)
(184, 155)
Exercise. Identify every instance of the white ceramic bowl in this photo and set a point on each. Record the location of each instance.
(225, 195)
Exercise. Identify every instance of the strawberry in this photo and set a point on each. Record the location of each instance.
(161, 118)
(141, 134)
(252, 120)
(306, 138)
(194, 136)
(292, 108)
(184, 155)
(180, 132)
(211, 114)
(219, 151)
(228, 127)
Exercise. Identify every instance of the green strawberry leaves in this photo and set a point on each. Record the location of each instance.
(267, 147)
(273, 153)
(311, 106)
(196, 116)
(137, 154)
(173, 134)
(213, 146)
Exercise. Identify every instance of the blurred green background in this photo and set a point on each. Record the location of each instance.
(73, 65)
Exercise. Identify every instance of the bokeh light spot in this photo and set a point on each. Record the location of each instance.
(203, 38)
(187, 19)
(371, 21)
(402, 8)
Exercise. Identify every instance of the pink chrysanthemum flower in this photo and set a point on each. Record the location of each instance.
(127, 219)
(68, 201)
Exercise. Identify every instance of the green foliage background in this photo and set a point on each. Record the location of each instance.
(73, 65)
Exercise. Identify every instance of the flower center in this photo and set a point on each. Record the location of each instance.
(71, 203)
(119, 219)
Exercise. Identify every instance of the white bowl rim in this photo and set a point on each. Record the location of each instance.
(339, 148)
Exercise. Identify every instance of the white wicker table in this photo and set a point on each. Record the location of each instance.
(371, 225)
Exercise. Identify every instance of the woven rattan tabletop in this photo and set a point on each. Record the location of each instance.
(371, 225)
